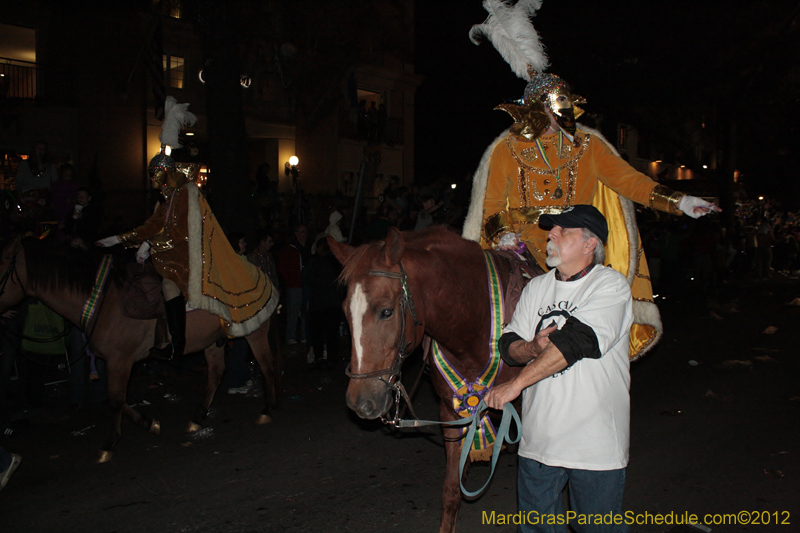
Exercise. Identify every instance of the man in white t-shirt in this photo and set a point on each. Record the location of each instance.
(571, 329)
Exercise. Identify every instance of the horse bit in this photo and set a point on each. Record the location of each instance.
(404, 348)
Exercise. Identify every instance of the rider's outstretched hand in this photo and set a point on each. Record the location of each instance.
(696, 207)
(108, 241)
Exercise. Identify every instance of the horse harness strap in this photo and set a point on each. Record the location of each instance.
(8, 275)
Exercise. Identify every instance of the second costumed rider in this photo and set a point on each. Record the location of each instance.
(191, 252)
(546, 162)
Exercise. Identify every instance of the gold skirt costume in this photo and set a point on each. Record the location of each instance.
(517, 181)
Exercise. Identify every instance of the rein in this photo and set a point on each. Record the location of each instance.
(403, 348)
(9, 273)
(509, 414)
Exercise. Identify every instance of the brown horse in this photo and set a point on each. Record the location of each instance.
(63, 279)
(447, 282)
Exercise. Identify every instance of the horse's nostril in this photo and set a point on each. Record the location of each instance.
(366, 408)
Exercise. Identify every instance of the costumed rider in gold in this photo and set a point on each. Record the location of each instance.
(191, 252)
(546, 162)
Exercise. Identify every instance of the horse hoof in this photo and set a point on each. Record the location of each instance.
(193, 427)
(155, 427)
(105, 456)
(263, 419)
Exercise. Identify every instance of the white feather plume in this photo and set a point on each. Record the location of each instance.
(510, 30)
(175, 117)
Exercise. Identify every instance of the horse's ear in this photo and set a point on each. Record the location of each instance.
(340, 250)
(394, 246)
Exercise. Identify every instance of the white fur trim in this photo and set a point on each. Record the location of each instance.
(647, 313)
(241, 329)
(473, 224)
(197, 299)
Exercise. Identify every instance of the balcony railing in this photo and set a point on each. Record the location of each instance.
(26, 80)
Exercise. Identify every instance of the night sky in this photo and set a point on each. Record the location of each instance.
(661, 66)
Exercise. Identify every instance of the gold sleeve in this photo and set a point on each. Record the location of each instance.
(130, 239)
(665, 199)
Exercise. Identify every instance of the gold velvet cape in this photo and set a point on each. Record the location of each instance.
(190, 249)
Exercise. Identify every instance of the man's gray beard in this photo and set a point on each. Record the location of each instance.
(553, 255)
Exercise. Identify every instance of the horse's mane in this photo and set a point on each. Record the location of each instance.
(435, 237)
(52, 265)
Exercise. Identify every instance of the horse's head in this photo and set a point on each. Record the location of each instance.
(12, 274)
(385, 320)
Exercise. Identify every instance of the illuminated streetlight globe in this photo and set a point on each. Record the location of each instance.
(293, 161)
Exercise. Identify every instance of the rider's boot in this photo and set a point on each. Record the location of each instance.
(176, 322)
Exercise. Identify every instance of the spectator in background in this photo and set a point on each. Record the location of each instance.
(291, 260)
(425, 215)
(261, 256)
(765, 240)
(37, 173)
(239, 374)
(82, 226)
(333, 228)
(63, 194)
(379, 227)
(11, 322)
(324, 304)
(35, 176)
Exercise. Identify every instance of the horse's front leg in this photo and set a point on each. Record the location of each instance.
(215, 358)
(119, 373)
(270, 365)
(451, 490)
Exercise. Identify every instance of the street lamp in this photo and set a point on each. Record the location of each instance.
(291, 169)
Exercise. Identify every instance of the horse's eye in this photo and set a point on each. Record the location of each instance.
(386, 313)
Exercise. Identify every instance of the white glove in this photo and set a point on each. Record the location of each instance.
(143, 253)
(108, 241)
(696, 207)
(509, 239)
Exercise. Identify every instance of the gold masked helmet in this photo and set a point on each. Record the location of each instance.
(166, 175)
(544, 91)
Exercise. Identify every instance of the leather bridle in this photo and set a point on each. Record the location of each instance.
(404, 348)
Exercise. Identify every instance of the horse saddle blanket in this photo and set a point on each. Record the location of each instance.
(142, 297)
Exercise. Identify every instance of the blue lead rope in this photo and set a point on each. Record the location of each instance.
(509, 414)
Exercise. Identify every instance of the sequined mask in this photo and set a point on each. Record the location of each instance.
(544, 90)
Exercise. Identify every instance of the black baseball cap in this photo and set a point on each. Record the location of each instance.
(579, 216)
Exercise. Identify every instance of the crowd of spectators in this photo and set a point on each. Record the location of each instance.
(759, 241)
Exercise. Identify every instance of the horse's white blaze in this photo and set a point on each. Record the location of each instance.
(358, 307)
